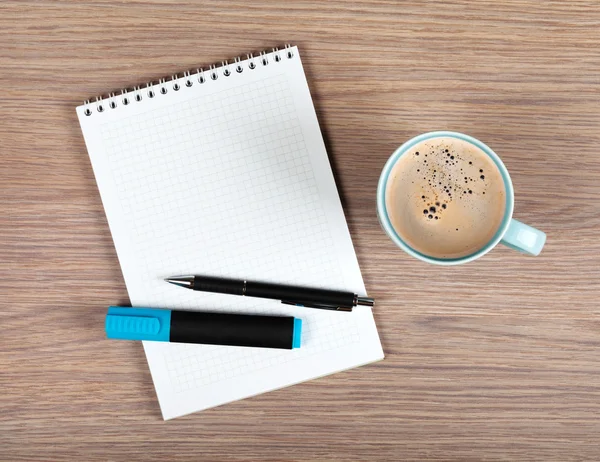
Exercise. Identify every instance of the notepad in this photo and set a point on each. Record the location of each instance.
(224, 172)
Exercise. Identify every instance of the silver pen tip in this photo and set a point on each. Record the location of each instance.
(182, 281)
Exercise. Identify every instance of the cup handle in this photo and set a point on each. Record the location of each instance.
(524, 238)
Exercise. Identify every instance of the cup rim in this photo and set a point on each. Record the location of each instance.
(382, 209)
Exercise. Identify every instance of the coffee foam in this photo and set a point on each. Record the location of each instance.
(445, 198)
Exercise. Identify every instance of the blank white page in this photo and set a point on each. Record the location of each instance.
(229, 177)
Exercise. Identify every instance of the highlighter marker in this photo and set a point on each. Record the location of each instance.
(161, 325)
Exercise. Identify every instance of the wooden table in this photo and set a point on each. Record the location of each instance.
(497, 359)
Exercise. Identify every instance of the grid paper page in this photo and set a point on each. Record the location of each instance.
(230, 178)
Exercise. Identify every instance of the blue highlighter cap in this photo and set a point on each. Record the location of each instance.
(138, 324)
(297, 333)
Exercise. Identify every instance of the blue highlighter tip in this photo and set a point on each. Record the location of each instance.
(297, 333)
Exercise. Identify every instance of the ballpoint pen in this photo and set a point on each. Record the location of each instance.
(288, 294)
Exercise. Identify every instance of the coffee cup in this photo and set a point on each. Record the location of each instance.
(446, 198)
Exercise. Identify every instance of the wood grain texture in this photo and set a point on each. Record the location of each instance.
(498, 359)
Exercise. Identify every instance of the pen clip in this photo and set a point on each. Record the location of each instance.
(321, 306)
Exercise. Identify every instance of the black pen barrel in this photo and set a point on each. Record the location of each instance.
(218, 285)
(299, 295)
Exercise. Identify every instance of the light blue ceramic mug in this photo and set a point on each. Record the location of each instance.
(512, 233)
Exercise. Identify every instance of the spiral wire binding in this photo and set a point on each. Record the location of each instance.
(136, 94)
